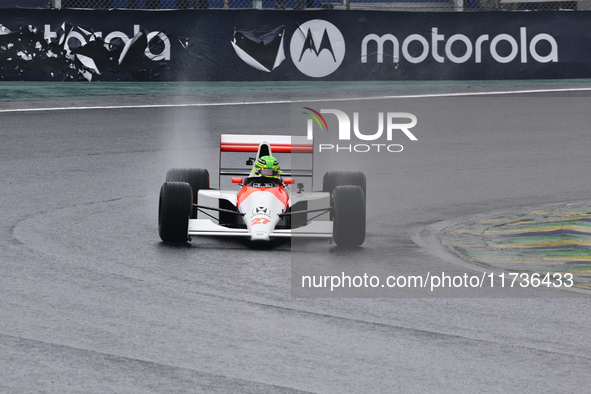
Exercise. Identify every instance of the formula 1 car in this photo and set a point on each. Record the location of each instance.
(262, 208)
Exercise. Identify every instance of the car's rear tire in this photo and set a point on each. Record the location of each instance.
(348, 227)
(174, 210)
(341, 178)
(197, 178)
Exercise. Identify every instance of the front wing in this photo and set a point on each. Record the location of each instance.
(316, 229)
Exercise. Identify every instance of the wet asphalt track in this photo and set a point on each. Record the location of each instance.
(91, 301)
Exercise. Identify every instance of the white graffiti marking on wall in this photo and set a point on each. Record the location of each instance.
(76, 39)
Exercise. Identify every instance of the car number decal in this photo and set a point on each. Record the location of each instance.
(259, 221)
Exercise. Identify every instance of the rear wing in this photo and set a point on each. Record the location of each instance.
(277, 144)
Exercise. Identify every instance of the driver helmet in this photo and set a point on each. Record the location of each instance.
(267, 166)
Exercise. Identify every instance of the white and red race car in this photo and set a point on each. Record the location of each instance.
(262, 208)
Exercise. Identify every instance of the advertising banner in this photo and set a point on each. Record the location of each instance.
(256, 45)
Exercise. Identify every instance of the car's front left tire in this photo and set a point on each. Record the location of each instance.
(349, 215)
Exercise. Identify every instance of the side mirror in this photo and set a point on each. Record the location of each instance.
(289, 181)
(237, 180)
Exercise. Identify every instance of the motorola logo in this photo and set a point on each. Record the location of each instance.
(317, 48)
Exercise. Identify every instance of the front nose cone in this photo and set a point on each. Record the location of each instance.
(259, 236)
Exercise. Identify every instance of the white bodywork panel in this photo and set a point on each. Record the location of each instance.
(218, 195)
(255, 139)
(318, 196)
(316, 200)
(261, 211)
(210, 198)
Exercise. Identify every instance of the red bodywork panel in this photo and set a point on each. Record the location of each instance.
(253, 147)
(279, 192)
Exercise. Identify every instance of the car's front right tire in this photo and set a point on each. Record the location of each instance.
(174, 209)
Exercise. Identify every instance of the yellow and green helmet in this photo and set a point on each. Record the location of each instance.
(267, 166)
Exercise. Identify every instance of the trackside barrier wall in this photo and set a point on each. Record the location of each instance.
(260, 45)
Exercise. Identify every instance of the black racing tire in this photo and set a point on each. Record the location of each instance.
(348, 226)
(341, 178)
(197, 178)
(174, 210)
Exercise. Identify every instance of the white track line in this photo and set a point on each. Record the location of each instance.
(226, 104)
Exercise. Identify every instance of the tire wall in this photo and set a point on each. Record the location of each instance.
(268, 45)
